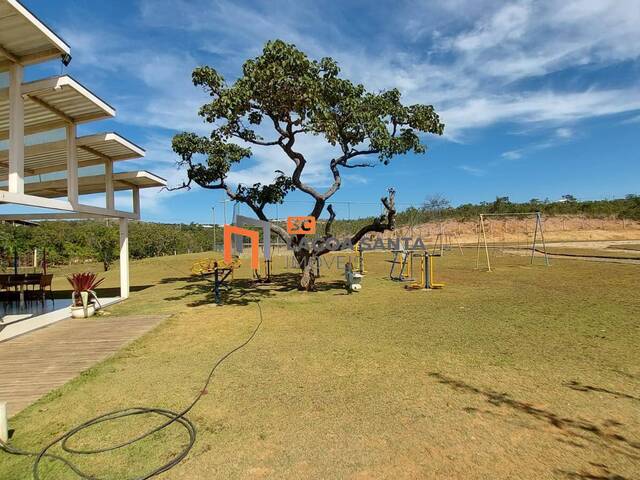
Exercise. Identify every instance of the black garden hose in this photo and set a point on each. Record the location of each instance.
(172, 417)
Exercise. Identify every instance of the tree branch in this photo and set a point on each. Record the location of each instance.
(332, 217)
(384, 222)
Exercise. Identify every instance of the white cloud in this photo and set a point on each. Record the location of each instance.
(469, 83)
(564, 132)
(547, 107)
(469, 58)
(635, 119)
(476, 172)
(512, 155)
(508, 24)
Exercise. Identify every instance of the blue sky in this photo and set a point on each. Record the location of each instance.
(539, 99)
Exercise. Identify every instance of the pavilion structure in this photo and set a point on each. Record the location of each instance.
(40, 166)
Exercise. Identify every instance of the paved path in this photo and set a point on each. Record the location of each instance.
(35, 363)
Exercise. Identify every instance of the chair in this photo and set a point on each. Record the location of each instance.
(4, 282)
(6, 295)
(33, 280)
(46, 281)
(16, 281)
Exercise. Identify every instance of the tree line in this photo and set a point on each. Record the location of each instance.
(87, 241)
(437, 208)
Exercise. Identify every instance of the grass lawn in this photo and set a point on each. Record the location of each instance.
(523, 373)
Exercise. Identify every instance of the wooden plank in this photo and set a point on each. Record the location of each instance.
(34, 364)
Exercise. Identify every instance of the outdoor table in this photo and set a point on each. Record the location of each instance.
(21, 283)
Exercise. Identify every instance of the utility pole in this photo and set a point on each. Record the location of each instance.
(224, 206)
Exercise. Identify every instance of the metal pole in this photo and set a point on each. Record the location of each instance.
(213, 213)
(544, 245)
(478, 247)
(535, 238)
(216, 286)
(486, 248)
(224, 205)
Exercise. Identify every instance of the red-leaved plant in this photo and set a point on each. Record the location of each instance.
(83, 282)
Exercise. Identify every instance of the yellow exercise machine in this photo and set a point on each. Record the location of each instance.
(220, 270)
(267, 270)
(427, 279)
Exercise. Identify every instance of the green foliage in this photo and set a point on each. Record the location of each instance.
(103, 241)
(86, 241)
(283, 93)
(439, 208)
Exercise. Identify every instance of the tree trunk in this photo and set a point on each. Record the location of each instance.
(307, 262)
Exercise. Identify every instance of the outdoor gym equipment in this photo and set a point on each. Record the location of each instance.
(220, 270)
(403, 258)
(267, 271)
(352, 280)
(427, 278)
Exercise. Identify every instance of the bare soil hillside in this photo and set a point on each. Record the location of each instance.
(513, 229)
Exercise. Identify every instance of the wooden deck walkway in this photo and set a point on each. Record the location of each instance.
(34, 364)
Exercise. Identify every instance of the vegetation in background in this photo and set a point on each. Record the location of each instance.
(437, 208)
(79, 242)
(86, 241)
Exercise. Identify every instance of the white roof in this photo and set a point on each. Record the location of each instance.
(96, 184)
(53, 103)
(24, 38)
(91, 150)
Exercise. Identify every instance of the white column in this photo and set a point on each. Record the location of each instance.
(16, 130)
(124, 258)
(4, 422)
(72, 164)
(136, 200)
(108, 177)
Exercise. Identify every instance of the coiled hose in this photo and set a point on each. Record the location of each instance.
(172, 417)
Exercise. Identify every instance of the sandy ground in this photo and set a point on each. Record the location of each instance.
(513, 229)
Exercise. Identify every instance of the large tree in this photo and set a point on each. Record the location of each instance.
(281, 96)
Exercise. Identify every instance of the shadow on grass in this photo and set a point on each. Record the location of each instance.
(574, 429)
(241, 291)
(102, 292)
(573, 385)
(602, 472)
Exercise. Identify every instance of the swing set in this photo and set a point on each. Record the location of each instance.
(538, 235)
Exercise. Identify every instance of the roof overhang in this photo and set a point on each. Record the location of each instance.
(54, 103)
(91, 150)
(24, 39)
(96, 184)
